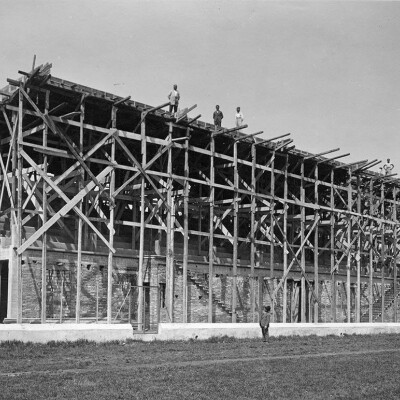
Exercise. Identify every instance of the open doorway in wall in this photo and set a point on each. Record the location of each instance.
(3, 289)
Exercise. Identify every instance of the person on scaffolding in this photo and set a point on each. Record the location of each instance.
(264, 322)
(217, 116)
(239, 117)
(174, 97)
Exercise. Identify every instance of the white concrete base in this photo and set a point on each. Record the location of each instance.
(121, 332)
(38, 333)
(253, 331)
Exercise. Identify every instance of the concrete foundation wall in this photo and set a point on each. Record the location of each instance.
(64, 332)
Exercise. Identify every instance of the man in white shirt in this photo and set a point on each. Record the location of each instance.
(239, 117)
(174, 99)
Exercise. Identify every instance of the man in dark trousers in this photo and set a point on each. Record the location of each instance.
(217, 117)
(264, 322)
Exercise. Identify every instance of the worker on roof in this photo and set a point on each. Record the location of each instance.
(239, 117)
(387, 167)
(217, 116)
(174, 97)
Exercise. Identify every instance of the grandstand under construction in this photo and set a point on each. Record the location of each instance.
(113, 210)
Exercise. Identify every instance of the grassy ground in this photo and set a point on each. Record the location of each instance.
(351, 367)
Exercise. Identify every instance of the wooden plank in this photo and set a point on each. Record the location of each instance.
(211, 254)
(185, 234)
(43, 313)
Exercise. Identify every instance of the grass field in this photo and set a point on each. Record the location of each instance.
(351, 367)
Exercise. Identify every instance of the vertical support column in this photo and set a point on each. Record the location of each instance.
(383, 249)
(235, 230)
(170, 236)
(394, 263)
(285, 250)
(252, 233)
(80, 224)
(19, 207)
(316, 249)
(371, 253)
(111, 222)
(348, 280)
(272, 222)
(44, 218)
(211, 237)
(332, 236)
(358, 257)
(12, 300)
(185, 229)
(303, 255)
(142, 225)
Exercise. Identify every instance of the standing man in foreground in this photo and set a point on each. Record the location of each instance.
(264, 322)
(217, 116)
(174, 97)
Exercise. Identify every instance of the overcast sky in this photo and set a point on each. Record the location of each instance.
(328, 72)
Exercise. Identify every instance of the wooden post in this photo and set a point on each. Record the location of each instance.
(235, 231)
(383, 250)
(348, 281)
(142, 226)
(395, 251)
(332, 248)
(19, 205)
(44, 219)
(211, 235)
(358, 257)
(61, 299)
(371, 254)
(252, 233)
(111, 222)
(97, 300)
(285, 250)
(316, 250)
(170, 235)
(185, 230)
(80, 225)
(303, 254)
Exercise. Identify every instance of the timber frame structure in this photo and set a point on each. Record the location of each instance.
(220, 222)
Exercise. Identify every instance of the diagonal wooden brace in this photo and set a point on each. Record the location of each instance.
(70, 204)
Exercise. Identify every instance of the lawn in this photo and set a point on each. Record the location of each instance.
(352, 367)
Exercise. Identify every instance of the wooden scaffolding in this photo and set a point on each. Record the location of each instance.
(101, 168)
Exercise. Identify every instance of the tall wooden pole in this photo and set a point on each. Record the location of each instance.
(142, 226)
(383, 250)
(395, 251)
(316, 249)
(332, 247)
(19, 206)
(358, 255)
(303, 255)
(170, 235)
(185, 231)
(44, 218)
(80, 225)
(348, 281)
(111, 222)
(235, 230)
(371, 253)
(285, 250)
(211, 233)
(252, 233)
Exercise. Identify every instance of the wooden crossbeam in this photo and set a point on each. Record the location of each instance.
(89, 187)
(145, 112)
(118, 102)
(249, 136)
(185, 112)
(333, 158)
(272, 139)
(321, 154)
(50, 123)
(140, 168)
(190, 121)
(221, 131)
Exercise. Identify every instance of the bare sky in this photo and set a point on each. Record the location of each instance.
(328, 72)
